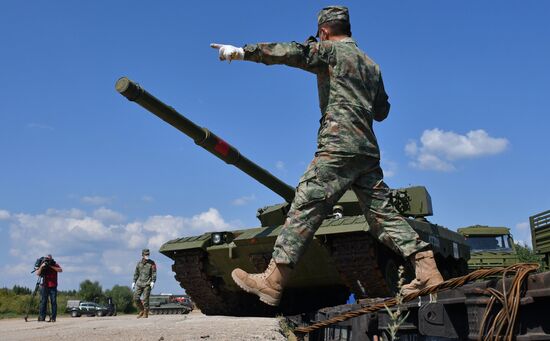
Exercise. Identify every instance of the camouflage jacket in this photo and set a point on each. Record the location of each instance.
(146, 272)
(351, 90)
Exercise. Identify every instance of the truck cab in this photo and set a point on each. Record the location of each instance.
(490, 246)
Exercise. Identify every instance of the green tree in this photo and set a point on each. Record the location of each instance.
(91, 291)
(527, 255)
(122, 298)
(19, 290)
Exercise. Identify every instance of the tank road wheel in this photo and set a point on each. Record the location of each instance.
(391, 269)
(389, 263)
(443, 266)
(356, 258)
(461, 268)
(209, 292)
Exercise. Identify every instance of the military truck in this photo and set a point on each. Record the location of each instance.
(168, 305)
(540, 236)
(343, 258)
(490, 246)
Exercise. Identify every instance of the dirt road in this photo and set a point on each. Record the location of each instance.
(194, 326)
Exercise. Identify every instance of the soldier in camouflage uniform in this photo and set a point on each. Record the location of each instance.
(351, 96)
(144, 281)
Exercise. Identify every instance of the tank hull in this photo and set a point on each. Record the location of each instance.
(343, 258)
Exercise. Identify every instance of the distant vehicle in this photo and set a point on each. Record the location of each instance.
(78, 308)
(170, 304)
(184, 300)
(490, 246)
(540, 235)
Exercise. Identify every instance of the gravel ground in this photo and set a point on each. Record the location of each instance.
(194, 326)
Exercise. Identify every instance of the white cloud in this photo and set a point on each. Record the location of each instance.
(120, 262)
(389, 166)
(522, 233)
(208, 220)
(433, 162)
(95, 245)
(523, 226)
(438, 148)
(4, 215)
(243, 200)
(95, 200)
(19, 269)
(280, 165)
(108, 215)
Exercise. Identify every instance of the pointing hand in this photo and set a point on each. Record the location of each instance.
(229, 52)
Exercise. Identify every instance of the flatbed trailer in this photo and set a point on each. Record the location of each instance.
(454, 314)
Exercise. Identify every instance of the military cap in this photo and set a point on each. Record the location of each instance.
(145, 252)
(331, 13)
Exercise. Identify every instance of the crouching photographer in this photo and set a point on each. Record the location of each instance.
(47, 268)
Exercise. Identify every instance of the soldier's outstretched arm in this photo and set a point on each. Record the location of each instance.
(307, 56)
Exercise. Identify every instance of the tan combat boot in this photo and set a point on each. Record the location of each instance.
(426, 273)
(141, 310)
(268, 285)
(146, 313)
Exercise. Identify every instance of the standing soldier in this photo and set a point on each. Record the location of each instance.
(144, 281)
(351, 96)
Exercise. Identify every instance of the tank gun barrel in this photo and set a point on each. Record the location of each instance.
(203, 137)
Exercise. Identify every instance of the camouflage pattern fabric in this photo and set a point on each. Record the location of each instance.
(351, 90)
(332, 13)
(324, 182)
(145, 273)
(146, 291)
(351, 96)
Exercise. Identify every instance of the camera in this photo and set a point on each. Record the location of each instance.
(43, 260)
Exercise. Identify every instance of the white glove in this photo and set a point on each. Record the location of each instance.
(152, 284)
(133, 285)
(229, 52)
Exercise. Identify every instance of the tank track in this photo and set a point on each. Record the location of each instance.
(211, 297)
(356, 258)
(190, 271)
(168, 311)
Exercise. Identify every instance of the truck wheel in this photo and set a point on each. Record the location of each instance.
(74, 313)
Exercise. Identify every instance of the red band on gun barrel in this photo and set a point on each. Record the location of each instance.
(222, 147)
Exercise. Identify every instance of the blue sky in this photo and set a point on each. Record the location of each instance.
(93, 178)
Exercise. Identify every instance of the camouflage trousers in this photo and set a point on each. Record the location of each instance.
(146, 291)
(326, 179)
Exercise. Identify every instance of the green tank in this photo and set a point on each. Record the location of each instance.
(167, 305)
(343, 258)
(490, 246)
